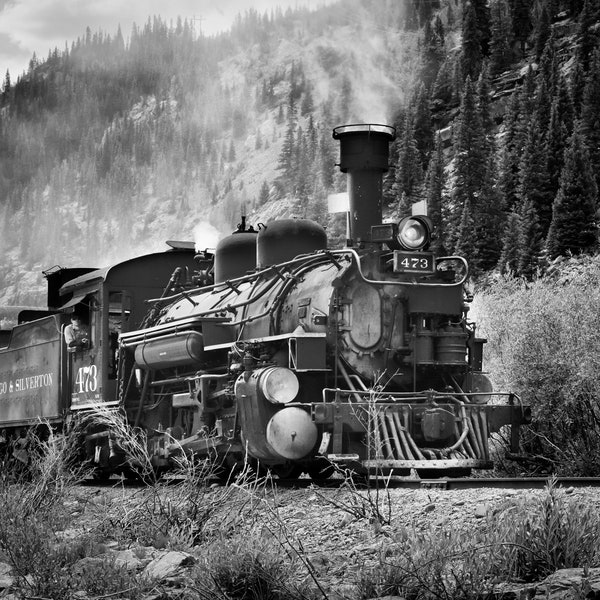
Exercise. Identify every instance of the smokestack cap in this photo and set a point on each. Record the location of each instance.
(364, 147)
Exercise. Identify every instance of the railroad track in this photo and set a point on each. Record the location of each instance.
(499, 482)
(523, 483)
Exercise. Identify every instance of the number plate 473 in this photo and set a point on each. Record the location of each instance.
(86, 379)
(413, 262)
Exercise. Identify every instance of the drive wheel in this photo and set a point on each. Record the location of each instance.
(287, 471)
(320, 470)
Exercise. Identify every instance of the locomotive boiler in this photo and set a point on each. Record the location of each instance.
(297, 357)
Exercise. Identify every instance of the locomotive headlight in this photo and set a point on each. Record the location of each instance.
(279, 385)
(414, 233)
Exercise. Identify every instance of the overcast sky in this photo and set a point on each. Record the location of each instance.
(28, 26)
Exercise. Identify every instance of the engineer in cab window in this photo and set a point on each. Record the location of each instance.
(77, 336)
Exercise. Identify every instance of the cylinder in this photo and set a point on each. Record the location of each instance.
(284, 239)
(235, 255)
(172, 351)
(451, 346)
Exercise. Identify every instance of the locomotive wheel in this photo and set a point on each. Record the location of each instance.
(320, 470)
(101, 475)
(287, 471)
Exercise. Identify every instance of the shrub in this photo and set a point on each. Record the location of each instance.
(544, 345)
(528, 539)
(428, 564)
(42, 562)
(250, 567)
(538, 537)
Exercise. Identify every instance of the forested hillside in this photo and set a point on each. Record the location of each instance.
(119, 142)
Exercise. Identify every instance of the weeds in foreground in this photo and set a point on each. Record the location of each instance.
(526, 541)
(247, 551)
(423, 565)
(33, 515)
(182, 515)
(250, 568)
(361, 500)
(538, 537)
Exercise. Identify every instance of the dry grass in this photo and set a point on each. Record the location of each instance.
(246, 550)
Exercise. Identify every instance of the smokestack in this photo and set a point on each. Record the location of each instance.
(364, 155)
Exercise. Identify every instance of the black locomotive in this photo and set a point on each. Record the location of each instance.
(275, 350)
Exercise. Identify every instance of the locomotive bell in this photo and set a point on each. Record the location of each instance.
(364, 155)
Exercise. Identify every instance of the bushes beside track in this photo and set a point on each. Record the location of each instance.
(544, 344)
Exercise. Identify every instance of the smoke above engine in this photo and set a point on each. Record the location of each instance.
(206, 236)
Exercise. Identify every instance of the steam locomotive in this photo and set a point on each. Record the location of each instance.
(274, 349)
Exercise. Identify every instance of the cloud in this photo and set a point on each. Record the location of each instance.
(28, 26)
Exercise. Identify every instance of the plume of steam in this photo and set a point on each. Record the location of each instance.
(206, 236)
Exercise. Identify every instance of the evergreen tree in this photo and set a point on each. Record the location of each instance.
(438, 28)
(423, 128)
(470, 164)
(578, 79)
(471, 54)
(530, 241)
(287, 156)
(442, 92)
(574, 226)
(527, 99)
(457, 82)
(543, 102)
(521, 19)
(434, 189)
(482, 11)
(307, 105)
(326, 159)
(464, 245)
(534, 187)
(590, 115)
(548, 68)
(409, 171)
(303, 161)
(484, 99)
(587, 35)
(510, 258)
(433, 54)
(511, 154)
(6, 87)
(565, 104)
(488, 217)
(542, 32)
(501, 54)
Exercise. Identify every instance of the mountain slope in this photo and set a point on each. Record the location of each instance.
(115, 146)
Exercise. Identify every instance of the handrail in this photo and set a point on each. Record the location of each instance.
(356, 257)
